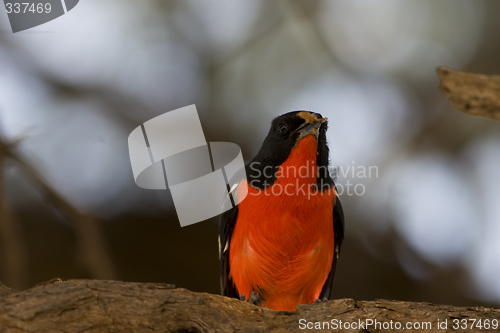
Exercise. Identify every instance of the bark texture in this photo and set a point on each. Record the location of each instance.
(112, 306)
(472, 93)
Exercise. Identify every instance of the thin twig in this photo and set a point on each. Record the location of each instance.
(12, 241)
(90, 232)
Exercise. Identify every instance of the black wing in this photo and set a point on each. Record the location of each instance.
(226, 227)
(338, 229)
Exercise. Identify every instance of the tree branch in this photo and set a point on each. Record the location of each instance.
(4, 291)
(13, 247)
(472, 93)
(111, 306)
(90, 232)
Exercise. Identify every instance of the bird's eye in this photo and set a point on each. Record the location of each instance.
(282, 127)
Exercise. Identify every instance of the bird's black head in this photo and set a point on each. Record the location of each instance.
(285, 133)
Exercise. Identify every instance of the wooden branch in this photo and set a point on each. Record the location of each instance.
(4, 291)
(111, 306)
(472, 93)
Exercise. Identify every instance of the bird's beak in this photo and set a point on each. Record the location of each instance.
(310, 128)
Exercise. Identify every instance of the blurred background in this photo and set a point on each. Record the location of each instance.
(427, 225)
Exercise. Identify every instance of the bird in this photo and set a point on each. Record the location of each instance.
(280, 245)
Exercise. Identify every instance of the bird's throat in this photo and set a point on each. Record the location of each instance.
(300, 166)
